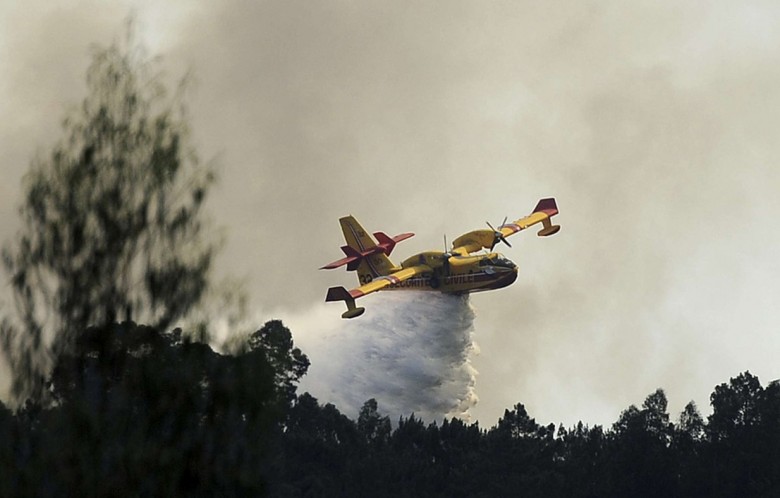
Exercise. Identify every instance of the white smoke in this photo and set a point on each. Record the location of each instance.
(410, 351)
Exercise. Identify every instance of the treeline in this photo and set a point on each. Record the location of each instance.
(131, 411)
(734, 453)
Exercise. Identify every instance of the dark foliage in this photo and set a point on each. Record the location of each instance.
(140, 412)
(145, 413)
(320, 452)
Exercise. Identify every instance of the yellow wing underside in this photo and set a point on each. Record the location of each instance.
(380, 283)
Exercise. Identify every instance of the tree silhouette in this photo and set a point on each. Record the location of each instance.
(112, 219)
(374, 427)
(640, 457)
(289, 364)
(743, 433)
(141, 412)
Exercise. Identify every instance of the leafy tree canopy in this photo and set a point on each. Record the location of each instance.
(112, 217)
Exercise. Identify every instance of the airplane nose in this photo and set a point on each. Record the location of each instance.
(508, 278)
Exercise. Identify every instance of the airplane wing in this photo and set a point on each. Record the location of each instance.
(544, 210)
(379, 283)
(474, 241)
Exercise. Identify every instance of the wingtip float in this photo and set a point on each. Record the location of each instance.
(457, 271)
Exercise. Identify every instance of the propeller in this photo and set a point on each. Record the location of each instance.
(497, 235)
(447, 254)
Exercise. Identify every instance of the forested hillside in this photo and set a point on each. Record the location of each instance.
(136, 411)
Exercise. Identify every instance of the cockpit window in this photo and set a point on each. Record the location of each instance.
(501, 261)
(497, 260)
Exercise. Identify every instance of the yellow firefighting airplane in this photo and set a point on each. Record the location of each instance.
(455, 272)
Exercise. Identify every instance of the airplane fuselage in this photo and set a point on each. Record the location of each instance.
(460, 283)
(455, 274)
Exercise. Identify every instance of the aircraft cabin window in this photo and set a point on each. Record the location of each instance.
(497, 260)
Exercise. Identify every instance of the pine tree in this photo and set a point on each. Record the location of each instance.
(112, 218)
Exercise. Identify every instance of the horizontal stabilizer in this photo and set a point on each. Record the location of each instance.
(352, 256)
(388, 244)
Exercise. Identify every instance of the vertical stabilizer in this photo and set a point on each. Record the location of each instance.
(373, 265)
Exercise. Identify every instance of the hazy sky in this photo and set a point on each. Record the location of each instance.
(654, 124)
